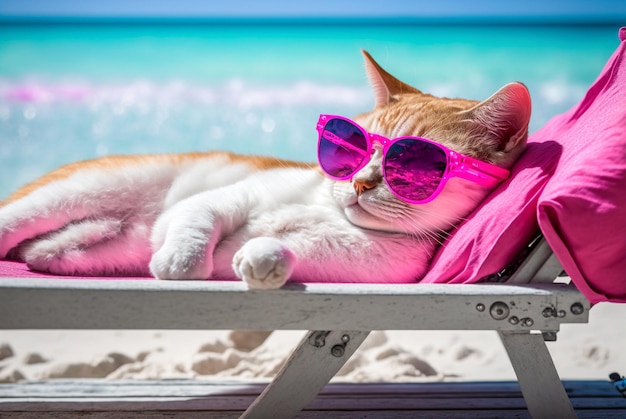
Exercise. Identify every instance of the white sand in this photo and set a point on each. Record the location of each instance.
(587, 351)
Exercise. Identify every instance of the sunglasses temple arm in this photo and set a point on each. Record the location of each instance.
(484, 174)
(482, 179)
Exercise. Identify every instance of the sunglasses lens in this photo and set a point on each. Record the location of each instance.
(342, 148)
(414, 169)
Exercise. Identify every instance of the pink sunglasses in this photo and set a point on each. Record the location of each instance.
(415, 169)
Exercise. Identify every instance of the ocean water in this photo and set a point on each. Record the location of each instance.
(78, 91)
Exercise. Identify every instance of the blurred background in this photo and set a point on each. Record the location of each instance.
(81, 79)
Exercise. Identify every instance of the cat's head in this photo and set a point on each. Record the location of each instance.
(494, 131)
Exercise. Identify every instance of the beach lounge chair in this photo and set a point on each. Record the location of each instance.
(570, 187)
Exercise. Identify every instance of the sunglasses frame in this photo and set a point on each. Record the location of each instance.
(457, 164)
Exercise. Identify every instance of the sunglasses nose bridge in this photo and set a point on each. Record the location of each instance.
(379, 139)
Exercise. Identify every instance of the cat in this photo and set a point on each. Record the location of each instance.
(218, 215)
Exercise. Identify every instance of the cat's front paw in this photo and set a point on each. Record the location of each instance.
(264, 263)
(184, 262)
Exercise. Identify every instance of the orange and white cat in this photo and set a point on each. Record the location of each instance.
(217, 215)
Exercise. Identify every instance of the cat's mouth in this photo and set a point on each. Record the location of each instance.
(360, 216)
(356, 207)
(355, 213)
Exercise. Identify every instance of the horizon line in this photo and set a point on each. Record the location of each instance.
(435, 20)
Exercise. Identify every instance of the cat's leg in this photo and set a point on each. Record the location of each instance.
(264, 263)
(307, 243)
(185, 236)
(103, 246)
(30, 217)
(127, 191)
(183, 245)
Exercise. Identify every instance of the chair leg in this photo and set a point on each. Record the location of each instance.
(539, 380)
(318, 357)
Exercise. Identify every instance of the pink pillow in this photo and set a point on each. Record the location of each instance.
(571, 182)
(582, 210)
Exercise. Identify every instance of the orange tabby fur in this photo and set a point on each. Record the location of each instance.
(115, 162)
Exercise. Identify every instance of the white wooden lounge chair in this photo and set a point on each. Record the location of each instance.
(570, 184)
(339, 318)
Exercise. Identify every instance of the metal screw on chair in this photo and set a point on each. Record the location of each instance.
(561, 314)
(514, 320)
(338, 351)
(480, 307)
(499, 310)
(548, 312)
(527, 322)
(577, 308)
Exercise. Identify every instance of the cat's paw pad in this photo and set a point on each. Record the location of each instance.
(174, 262)
(264, 263)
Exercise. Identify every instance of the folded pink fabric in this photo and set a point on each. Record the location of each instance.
(13, 269)
(570, 183)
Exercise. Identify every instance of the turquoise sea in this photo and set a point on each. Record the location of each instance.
(81, 90)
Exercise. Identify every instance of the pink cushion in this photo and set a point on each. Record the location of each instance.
(571, 183)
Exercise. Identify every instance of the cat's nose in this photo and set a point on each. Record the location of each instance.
(361, 186)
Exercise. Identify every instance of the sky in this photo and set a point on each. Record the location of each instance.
(598, 10)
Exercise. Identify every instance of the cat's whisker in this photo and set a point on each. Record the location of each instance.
(424, 222)
(420, 230)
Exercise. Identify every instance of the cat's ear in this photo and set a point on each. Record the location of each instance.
(385, 85)
(505, 116)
